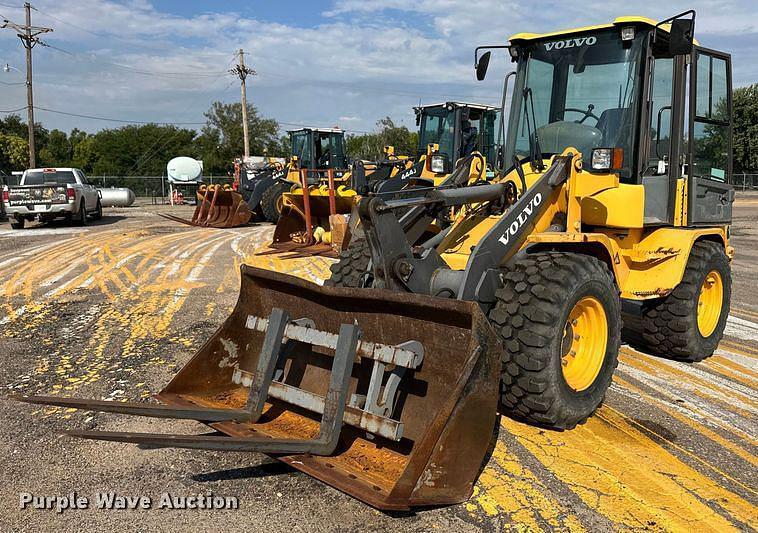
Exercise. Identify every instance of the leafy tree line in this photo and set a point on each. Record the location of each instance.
(142, 150)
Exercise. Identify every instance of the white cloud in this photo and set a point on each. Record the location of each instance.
(364, 60)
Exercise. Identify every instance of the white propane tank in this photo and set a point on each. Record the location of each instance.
(184, 170)
(116, 197)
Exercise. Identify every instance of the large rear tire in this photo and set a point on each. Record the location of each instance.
(687, 325)
(271, 201)
(352, 268)
(559, 316)
(81, 218)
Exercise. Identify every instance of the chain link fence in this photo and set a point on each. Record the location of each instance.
(745, 182)
(155, 188)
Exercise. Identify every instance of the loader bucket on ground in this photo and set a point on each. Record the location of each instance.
(291, 229)
(217, 207)
(390, 397)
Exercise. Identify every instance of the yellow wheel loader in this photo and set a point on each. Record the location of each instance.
(389, 391)
(448, 133)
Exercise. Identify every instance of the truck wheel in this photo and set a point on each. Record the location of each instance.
(98, 211)
(81, 219)
(687, 325)
(352, 268)
(18, 223)
(271, 201)
(559, 316)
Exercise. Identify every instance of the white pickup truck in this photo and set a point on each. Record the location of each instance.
(48, 193)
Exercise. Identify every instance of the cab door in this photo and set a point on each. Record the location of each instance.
(710, 193)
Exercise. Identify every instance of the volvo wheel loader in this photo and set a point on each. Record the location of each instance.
(448, 134)
(620, 138)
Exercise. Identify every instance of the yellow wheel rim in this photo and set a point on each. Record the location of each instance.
(585, 340)
(709, 303)
(279, 203)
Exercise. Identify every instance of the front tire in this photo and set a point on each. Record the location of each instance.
(559, 317)
(688, 324)
(352, 268)
(271, 201)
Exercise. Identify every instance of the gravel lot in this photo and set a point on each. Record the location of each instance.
(112, 311)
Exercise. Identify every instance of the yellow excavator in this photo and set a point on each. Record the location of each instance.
(387, 386)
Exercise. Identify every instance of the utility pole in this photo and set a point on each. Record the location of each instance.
(28, 35)
(242, 72)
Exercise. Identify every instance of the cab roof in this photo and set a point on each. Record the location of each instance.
(318, 130)
(484, 107)
(619, 21)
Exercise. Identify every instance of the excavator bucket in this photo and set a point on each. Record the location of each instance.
(389, 397)
(217, 207)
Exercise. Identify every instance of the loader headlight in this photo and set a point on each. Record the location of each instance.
(438, 163)
(607, 159)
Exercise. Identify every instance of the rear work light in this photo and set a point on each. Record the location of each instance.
(70, 194)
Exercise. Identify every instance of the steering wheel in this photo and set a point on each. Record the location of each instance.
(587, 114)
(324, 159)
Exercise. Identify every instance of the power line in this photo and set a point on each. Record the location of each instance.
(107, 119)
(169, 75)
(13, 111)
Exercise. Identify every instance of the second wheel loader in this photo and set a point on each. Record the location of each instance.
(388, 390)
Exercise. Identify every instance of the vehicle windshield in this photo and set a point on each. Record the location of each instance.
(580, 91)
(301, 147)
(56, 177)
(437, 127)
(330, 151)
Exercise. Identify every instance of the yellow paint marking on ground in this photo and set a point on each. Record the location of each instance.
(315, 269)
(746, 313)
(700, 387)
(506, 486)
(741, 369)
(697, 426)
(728, 371)
(739, 348)
(624, 475)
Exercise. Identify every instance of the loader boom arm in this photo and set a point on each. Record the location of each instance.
(398, 266)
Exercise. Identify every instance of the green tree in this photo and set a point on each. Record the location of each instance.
(371, 145)
(58, 151)
(13, 125)
(134, 150)
(745, 133)
(14, 153)
(221, 140)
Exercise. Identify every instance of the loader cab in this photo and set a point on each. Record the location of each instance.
(319, 148)
(459, 129)
(637, 98)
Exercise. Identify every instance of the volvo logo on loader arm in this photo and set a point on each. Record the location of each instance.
(517, 224)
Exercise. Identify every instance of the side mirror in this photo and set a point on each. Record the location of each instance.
(482, 64)
(681, 36)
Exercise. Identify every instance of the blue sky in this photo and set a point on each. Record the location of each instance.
(341, 62)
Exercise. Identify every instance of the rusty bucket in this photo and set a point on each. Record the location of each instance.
(217, 207)
(389, 397)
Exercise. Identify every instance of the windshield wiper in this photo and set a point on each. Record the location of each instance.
(535, 152)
